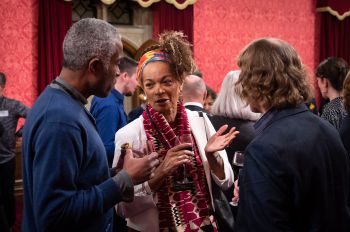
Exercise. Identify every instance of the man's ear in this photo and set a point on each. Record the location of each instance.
(95, 66)
(124, 76)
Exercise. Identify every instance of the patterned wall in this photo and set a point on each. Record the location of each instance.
(18, 48)
(223, 27)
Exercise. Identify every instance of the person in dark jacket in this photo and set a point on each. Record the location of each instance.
(11, 111)
(229, 108)
(66, 179)
(288, 183)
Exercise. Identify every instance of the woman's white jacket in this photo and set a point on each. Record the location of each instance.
(201, 127)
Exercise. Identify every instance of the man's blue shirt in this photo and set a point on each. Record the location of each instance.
(110, 117)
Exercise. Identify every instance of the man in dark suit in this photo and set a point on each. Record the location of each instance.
(296, 170)
(193, 93)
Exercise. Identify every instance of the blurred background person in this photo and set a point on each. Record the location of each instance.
(109, 112)
(209, 100)
(10, 111)
(137, 111)
(194, 93)
(330, 75)
(165, 204)
(110, 115)
(229, 108)
(345, 127)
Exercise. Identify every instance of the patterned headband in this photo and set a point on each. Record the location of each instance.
(148, 57)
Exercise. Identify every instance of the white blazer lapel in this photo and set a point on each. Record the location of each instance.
(198, 130)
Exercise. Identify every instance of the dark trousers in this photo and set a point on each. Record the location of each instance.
(7, 194)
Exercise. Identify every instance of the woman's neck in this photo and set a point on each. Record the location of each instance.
(332, 94)
(171, 115)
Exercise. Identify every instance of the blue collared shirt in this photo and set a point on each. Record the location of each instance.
(110, 117)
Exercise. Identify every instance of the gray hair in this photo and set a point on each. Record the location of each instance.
(229, 103)
(87, 39)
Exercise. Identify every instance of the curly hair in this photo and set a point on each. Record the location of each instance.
(334, 69)
(346, 92)
(177, 47)
(272, 75)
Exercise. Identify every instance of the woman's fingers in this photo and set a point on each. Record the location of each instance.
(174, 159)
(180, 147)
(231, 134)
(222, 129)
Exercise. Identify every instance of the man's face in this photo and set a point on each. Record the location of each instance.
(208, 103)
(130, 85)
(109, 73)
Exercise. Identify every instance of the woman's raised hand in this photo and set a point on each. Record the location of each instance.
(219, 140)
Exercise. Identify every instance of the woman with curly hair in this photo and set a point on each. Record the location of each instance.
(167, 202)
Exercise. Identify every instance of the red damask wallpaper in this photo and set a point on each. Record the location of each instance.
(222, 28)
(19, 48)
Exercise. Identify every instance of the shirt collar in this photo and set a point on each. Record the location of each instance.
(261, 124)
(193, 104)
(72, 90)
(117, 95)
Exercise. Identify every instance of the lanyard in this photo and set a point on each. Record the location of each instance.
(69, 92)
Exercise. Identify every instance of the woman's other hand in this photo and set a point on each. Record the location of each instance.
(219, 140)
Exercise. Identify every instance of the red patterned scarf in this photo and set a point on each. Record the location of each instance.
(186, 210)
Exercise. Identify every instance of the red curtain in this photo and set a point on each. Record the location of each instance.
(335, 32)
(166, 17)
(55, 18)
(335, 37)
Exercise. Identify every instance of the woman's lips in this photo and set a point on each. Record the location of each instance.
(162, 101)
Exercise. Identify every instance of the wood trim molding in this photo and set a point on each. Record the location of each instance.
(333, 12)
(179, 6)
